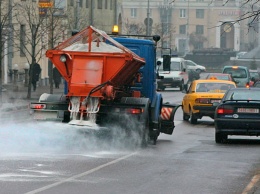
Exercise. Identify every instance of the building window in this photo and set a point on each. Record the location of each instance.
(182, 13)
(133, 12)
(199, 13)
(111, 4)
(182, 29)
(106, 4)
(99, 6)
(199, 45)
(199, 29)
(200, 0)
(87, 3)
(71, 2)
(80, 3)
(22, 40)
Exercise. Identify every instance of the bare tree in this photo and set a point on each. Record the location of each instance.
(196, 40)
(6, 11)
(29, 30)
(132, 28)
(77, 18)
(251, 12)
(37, 32)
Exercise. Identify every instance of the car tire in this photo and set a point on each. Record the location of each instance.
(193, 119)
(161, 88)
(220, 138)
(198, 70)
(185, 116)
(181, 86)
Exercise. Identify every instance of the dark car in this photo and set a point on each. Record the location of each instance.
(238, 114)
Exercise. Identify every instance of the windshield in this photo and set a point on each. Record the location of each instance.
(213, 87)
(236, 73)
(175, 66)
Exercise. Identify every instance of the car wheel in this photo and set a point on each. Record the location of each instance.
(181, 86)
(193, 119)
(185, 116)
(161, 88)
(220, 138)
(198, 70)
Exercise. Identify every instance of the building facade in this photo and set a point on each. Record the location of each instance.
(68, 15)
(185, 25)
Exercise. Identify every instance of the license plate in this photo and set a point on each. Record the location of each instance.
(44, 115)
(248, 110)
(214, 101)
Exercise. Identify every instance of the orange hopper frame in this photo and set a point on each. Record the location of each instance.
(89, 68)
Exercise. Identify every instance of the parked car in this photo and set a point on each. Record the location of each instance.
(221, 76)
(192, 65)
(240, 55)
(238, 114)
(201, 95)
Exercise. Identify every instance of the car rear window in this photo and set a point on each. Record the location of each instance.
(244, 95)
(236, 73)
(213, 87)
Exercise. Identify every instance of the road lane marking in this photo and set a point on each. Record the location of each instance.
(80, 175)
(252, 183)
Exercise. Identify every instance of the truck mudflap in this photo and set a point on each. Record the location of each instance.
(167, 118)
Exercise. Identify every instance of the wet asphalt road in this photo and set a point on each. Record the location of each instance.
(53, 158)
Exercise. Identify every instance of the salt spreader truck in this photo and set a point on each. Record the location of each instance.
(110, 80)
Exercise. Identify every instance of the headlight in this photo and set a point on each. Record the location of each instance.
(63, 58)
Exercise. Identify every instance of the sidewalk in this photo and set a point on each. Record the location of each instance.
(16, 98)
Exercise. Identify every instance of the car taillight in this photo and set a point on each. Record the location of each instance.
(38, 106)
(225, 110)
(202, 100)
(134, 110)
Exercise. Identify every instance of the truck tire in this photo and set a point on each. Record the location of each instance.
(141, 128)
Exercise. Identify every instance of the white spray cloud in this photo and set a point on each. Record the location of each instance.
(61, 138)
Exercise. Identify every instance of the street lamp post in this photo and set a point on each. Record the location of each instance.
(148, 19)
(187, 28)
(15, 70)
(26, 73)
